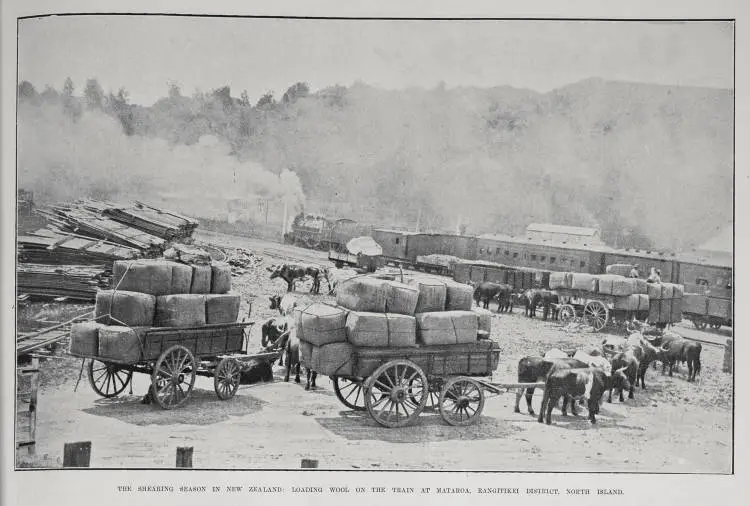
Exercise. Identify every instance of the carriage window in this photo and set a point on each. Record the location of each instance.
(552, 260)
(515, 254)
(583, 264)
(397, 240)
(507, 253)
(542, 258)
(533, 257)
(481, 250)
(497, 251)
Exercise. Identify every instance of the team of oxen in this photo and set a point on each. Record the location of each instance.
(619, 363)
(573, 376)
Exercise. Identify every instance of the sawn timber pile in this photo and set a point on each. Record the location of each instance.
(79, 282)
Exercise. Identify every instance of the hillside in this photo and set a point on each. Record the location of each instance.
(651, 165)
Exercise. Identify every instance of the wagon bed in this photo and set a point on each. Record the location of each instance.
(596, 309)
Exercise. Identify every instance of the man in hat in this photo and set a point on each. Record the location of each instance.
(634, 272)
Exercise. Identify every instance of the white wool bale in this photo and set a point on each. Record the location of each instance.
(305, 354)
(606, 283)
(655, 291)
(118, 307)
(484, 319)
(321, 324)
(182, 278)
(667, 290)
(84, 339)
(123, 344)
(180, 310)
(221, 278)
(640, 286)
(153, 277)
(362, 294)
(333, 359)
(619, 269)
(458, 296)
(201, 282)
(627, 302)
(678, 291)
(584, 281)
(624, 286)
(560, 280)
(381, 329)
(446, 327)
(555, 353)
(432, 294)
(675, 313)
(400, 298)
(222, 308)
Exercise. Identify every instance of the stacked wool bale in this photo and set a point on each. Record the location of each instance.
(379, 313)
(665, 302)
(630, 294)
(154, 293)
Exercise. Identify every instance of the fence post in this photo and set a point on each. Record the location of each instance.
(728, 356)
(77, 454)
(309, 464)
(184, 456)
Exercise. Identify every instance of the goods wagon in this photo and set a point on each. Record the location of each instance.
(342, 232)
(551, 257)
(393, 242)
(440, 244)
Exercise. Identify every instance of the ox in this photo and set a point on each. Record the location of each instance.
(485, 292)
(533, 369)
(292, 272)
(580, 383)
(681, 350)
(293, 362)
(629, 365)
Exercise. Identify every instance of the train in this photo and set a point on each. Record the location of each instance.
(698, 272)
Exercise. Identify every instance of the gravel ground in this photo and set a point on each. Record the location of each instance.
(673, 426)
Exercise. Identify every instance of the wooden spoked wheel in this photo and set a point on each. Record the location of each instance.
(715, 326)
(461, 401)
(596, 315)
(396, 393)
(350, 392)
(567, 313)
(173, 377)
(227, 378)
(700, 323)
(416, 392)
(108, 379)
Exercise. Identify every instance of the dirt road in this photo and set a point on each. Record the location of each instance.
(673, 426)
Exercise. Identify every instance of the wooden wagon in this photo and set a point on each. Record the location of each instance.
(595, 309)
(396, 384)
(173, 357)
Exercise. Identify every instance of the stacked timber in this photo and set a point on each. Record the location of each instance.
(150, 294)
(158, 222)
(48, 247)
(79, 282)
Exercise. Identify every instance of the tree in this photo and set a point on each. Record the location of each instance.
(27, 93)
(295, 92)
(93, 95)
(266, 101)
(174, 90)
(244, 99)
(117, 106)
(70, 104)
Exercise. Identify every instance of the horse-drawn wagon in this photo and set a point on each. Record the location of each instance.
(173, 357)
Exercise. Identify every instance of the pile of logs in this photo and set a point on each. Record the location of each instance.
(48, 247)
(161, 223)
(79, 282)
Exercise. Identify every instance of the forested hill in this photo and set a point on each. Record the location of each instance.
(650, 165)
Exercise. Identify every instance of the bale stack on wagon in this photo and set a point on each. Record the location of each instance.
(151, 294)
(665, 303)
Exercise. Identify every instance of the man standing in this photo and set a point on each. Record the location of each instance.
(634, 272)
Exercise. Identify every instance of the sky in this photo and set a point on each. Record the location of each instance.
(146, 53)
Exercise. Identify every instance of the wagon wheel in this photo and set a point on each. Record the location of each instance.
(461, 401)
(596, 314)
(715, 326)
(173, 377)
(349, 392)
(227, 378)
(700, 323)
(567, 313)
(388, 393)
(108, 379)
(416, 392)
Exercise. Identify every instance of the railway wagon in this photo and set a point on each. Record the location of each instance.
(393, 243)
(440, 244)
(519, 252)
(343, 231)
(713, 272)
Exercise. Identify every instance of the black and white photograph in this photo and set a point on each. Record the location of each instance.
(278, 242)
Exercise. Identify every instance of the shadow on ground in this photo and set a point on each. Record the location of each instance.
(202, 408)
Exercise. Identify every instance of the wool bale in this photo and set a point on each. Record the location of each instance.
(695, 303)
(400, 298)
(627, 302)
(484, 319)
(643, 302)
(432, 294)
(584, 281)
(559, 280)
(462, 272)
(720, 308)
(221, 278)
(305, 353)
(446, 327)
(640, 286)
(123, 344)
(201, 282)
(180, 310)
(606, 283)
(381, 329)
(675, 311)
(182, 278)
(619, 269)
(655, 291)
(321, 324)
(362, 294)
(116, 307)
(458, 297)
(84, 339)
(678, 291)
(333, 359)
(145, 276)
(623, 286)
(667, 290)
(659, 311)
(222, 307)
